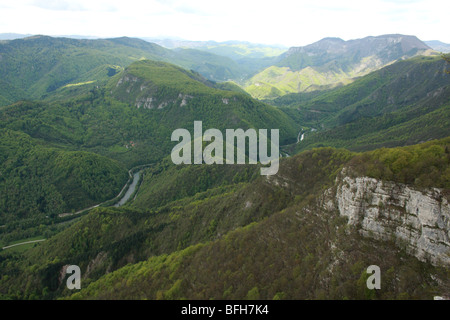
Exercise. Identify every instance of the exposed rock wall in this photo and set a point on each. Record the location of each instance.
(387, 210)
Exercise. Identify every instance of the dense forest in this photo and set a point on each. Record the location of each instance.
(66, 155)
(404, 103)
(235, 219)
(91, 113)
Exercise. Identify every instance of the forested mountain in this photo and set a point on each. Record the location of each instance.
(79, 117)
(439, 46)
(69, 154)
(240, 235)
(250, 57)
(233, 49)
(331, 62)
(404, 103)
(36, 66)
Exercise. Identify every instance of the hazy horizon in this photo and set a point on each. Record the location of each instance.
(286, 23)
(14, 36)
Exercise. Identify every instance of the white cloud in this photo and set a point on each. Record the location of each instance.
(59, 5)
(282, 21)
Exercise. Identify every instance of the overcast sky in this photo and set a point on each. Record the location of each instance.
(286, 22)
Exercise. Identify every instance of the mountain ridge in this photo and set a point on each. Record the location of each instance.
(439, 46)
(331, 62)
(310, 231)
(386, 108)
(39, 65)
(300, 236)
(123, 124)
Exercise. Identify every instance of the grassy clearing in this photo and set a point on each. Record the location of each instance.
(21, 247)
(78, 84)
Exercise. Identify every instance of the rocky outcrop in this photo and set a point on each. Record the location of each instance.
(145, 94)
(418, 220)
(94, 263)
(62, 273)
(125, 79)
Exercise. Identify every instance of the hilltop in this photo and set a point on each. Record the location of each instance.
(80, 117)
(404, 103)
(126, 123)
(252, 237)
(36, 67)
(331, 62)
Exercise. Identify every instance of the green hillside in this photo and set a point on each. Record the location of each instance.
(106, 131)
(79, 117)
(37, 66)
(9, 94)
(250, 57)
(404, 103)
(212, 66)
(238, 236)
(331, 62)
(38, 181)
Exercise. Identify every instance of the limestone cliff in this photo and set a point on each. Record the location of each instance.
(419, 220)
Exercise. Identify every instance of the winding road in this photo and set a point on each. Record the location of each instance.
(19, 244)
(122, 201)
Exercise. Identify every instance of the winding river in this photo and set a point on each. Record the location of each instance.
(130, 190)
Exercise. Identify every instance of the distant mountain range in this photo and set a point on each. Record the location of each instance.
(439, 46)
(386, 108)
(13, 36)
(331, 62)
(266, 72)
(77, 116)
(231, 49)
(36, 66)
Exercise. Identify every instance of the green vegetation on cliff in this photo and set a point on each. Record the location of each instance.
(404, 103)
(331, 62)
(95, 137)
(236, 232)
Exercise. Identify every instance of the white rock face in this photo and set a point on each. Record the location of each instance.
(184, 98)
(145, 102)
(386, 210)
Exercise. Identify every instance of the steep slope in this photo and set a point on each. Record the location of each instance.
(387, 48)
(39, 65)
(250, 57)
(183, 96)
(130, 122)
(235, 50)
(404, 103)
(212, 66)
(39, 182)
(331, 62)
(285, 236)
(308, 251)
(439, 46)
